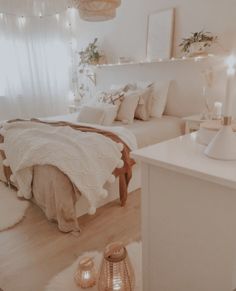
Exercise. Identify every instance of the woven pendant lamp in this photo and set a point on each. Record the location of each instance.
(99, 5)
(97, 10)
(98, 15)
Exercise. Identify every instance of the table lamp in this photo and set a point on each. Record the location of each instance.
(223, 145)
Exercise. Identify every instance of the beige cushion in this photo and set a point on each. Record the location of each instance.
(91, 114)
(159, 98)
(110, 112)
(143, 110)
(128, 106)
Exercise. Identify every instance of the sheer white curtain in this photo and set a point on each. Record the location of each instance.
(35, 65)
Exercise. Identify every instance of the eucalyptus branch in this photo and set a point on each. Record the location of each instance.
(205, 37)
(90, 54)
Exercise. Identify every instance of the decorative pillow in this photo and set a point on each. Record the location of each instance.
(159, 98)
(110, 112)
(144, 107)
(128, 106)
(125, 87)
(91, 114)
(111, 97)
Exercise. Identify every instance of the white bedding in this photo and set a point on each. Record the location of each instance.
(155, 130)
(77, 154)
(121, 131)
(146, 132)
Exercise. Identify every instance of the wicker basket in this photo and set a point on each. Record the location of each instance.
(116, 270)
(98, 5)
(104, 15)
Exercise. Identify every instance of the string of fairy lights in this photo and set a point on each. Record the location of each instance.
(39, 14)
(64, 14)
(57, 15)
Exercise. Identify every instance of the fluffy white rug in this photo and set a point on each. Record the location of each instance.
(12, 210)
(65, 280)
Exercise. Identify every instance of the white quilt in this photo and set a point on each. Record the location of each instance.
(88, 159)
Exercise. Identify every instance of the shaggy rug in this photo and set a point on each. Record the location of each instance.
(12, 210)
(65, 280)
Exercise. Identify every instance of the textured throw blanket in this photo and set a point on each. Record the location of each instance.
(119, 135)
(87, 156)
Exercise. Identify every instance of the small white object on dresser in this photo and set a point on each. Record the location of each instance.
(188, 218)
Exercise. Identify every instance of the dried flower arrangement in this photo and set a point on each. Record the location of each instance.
(202, 39)
(90, 55)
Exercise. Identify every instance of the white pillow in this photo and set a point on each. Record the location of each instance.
(143, 110)
(159, 98)
(128, 106)
(91, 114)
(110, 112)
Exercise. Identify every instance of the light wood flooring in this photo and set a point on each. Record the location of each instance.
(34, 251)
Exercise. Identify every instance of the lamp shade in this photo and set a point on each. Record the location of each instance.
(97, 10)
(98, 5)
(93, 16)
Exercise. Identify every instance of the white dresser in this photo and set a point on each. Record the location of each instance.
(188, 218)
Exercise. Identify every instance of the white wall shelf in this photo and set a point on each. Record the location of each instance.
(172, 60)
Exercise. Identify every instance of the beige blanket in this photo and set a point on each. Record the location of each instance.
(54, 192)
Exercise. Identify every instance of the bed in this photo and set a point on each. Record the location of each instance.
(155, 130)
(146, 133)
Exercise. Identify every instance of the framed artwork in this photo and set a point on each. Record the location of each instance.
(160, 35)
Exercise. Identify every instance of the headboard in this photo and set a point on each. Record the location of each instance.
(185, 95)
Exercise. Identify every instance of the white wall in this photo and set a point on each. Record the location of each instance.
(126, 36)
(185, 95)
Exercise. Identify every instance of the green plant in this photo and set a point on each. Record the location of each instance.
(206, 37)
(90, 55)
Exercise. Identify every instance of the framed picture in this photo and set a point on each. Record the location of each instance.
(160, 35)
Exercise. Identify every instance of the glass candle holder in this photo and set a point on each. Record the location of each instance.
(116, 272)
(85, 276)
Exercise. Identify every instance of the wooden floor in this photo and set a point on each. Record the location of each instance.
(34, 251)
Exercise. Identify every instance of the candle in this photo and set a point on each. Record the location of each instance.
(218, 109)
(231, 61)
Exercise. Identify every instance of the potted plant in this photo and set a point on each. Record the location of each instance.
(90, 55)
(197, 43)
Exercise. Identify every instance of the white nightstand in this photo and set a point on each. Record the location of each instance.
(192, 123)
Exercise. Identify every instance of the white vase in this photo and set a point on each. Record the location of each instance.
(197, 49)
